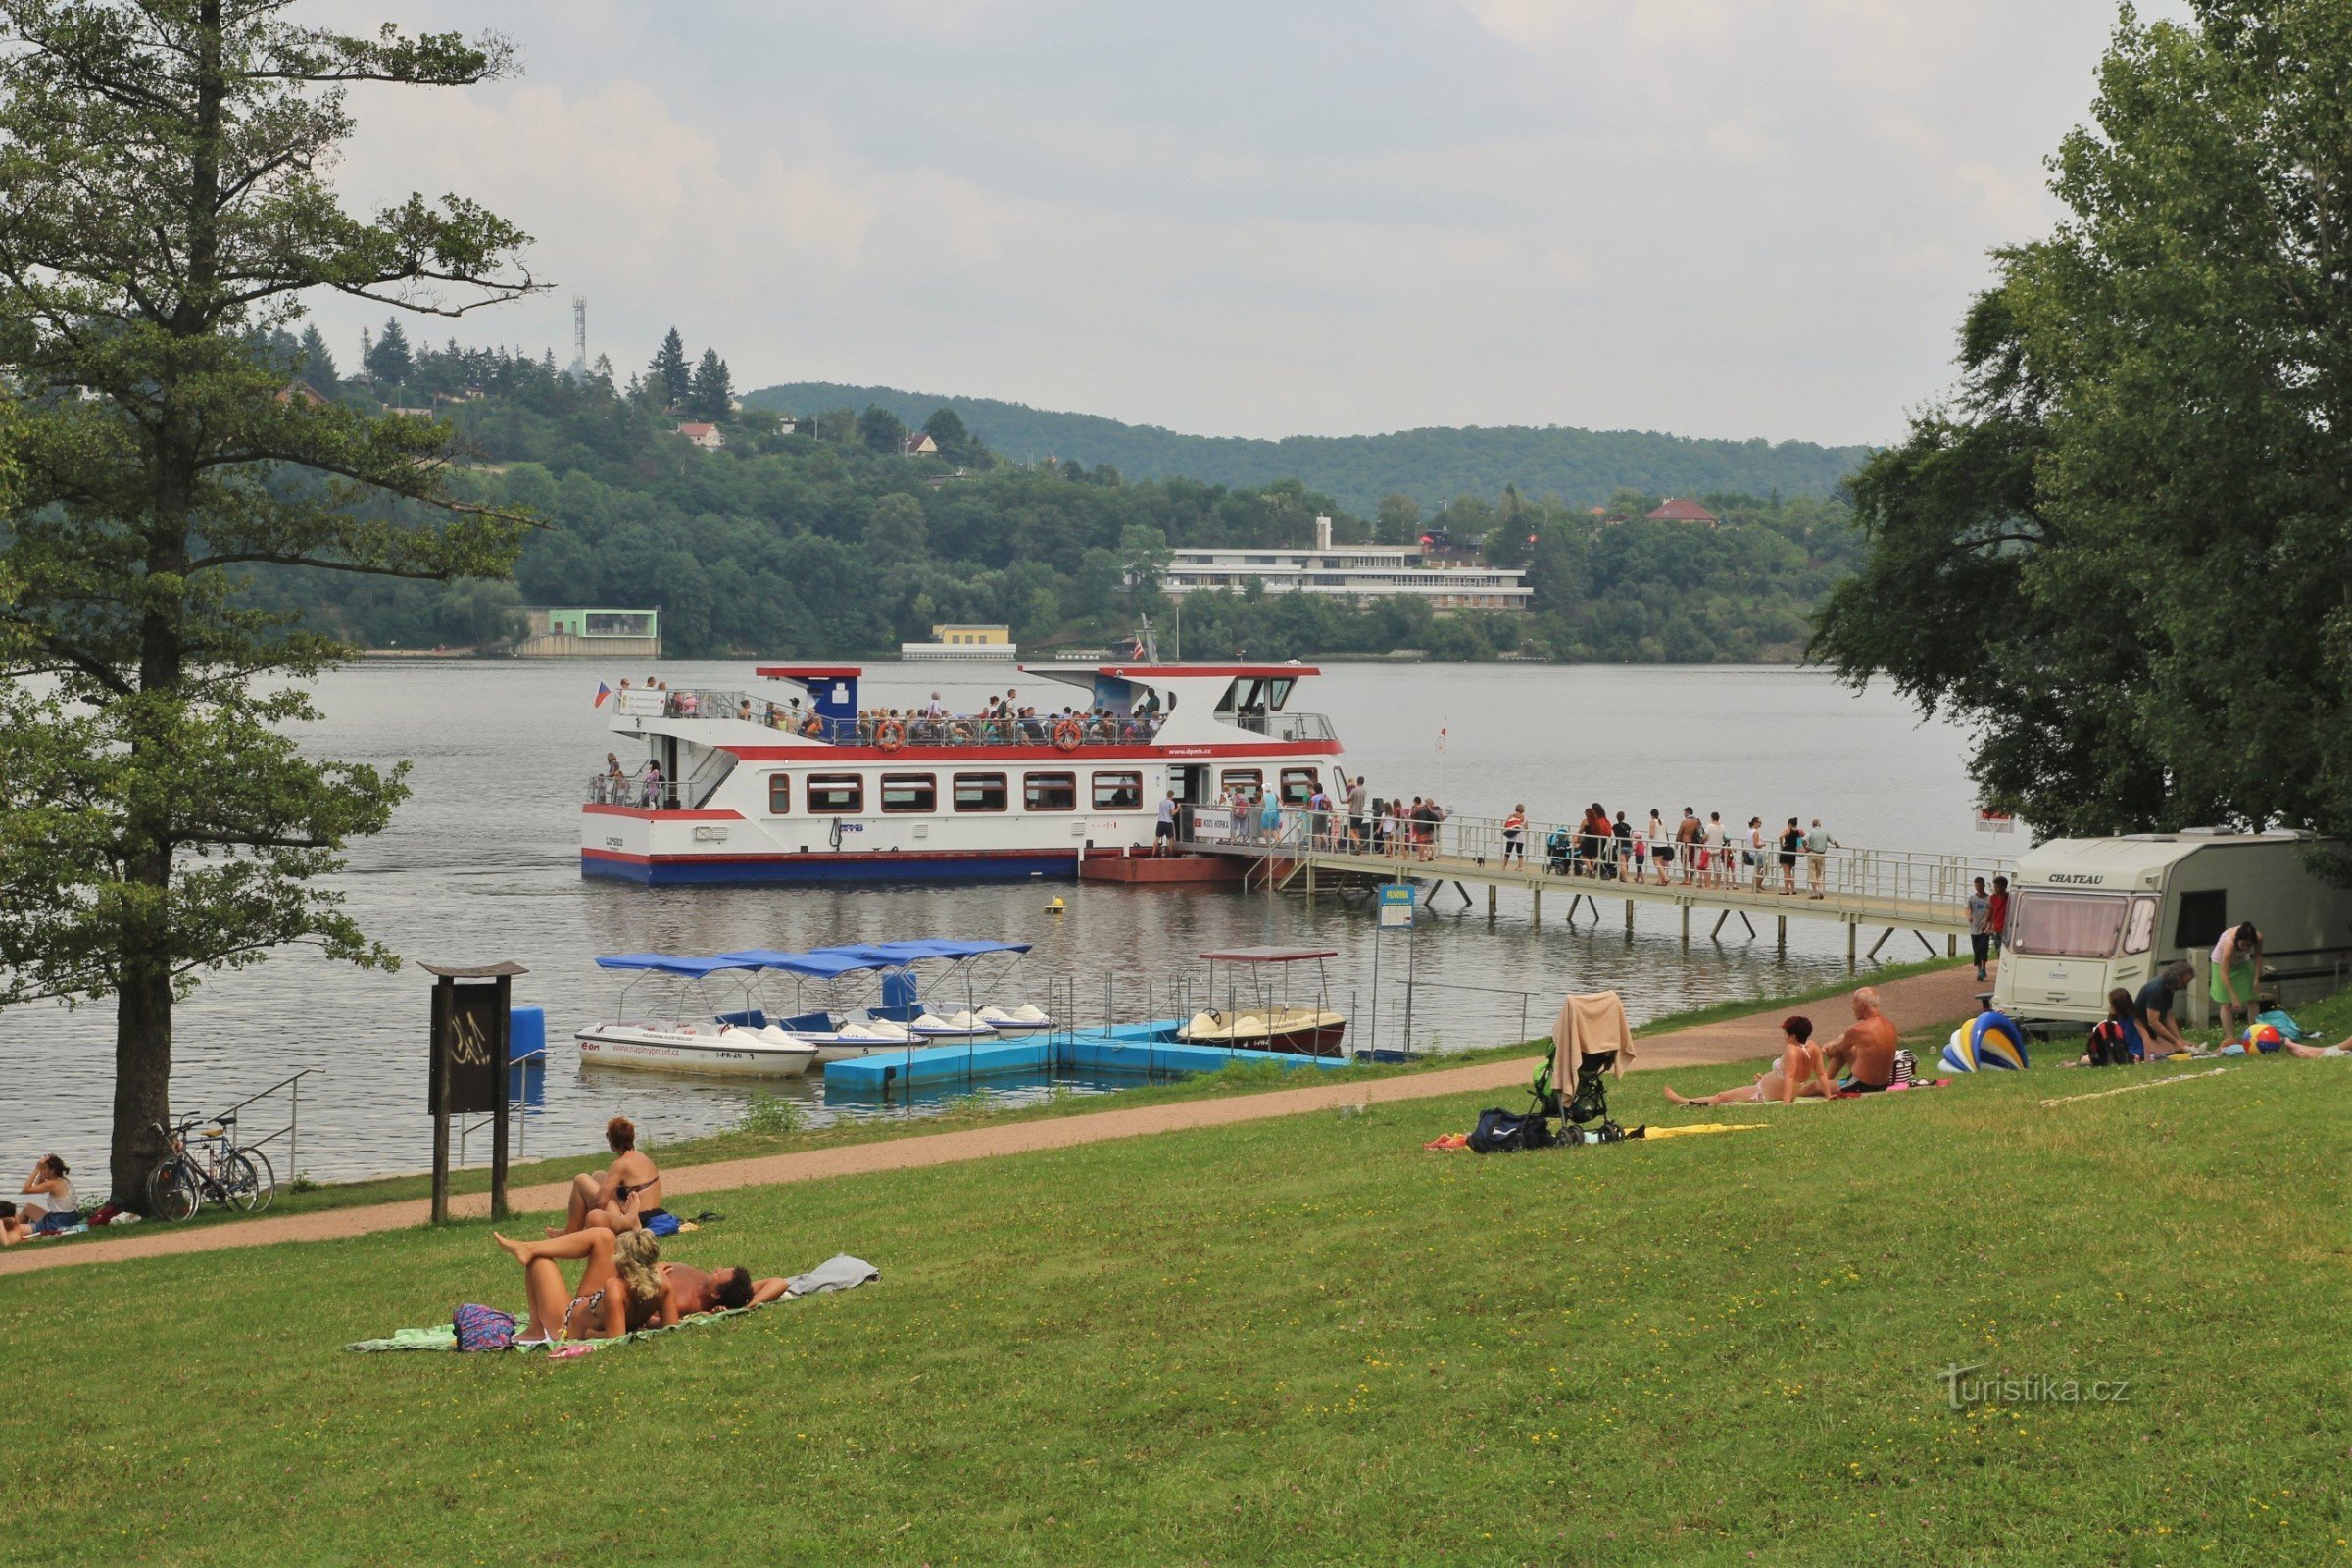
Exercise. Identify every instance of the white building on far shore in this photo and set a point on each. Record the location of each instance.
(1357, 572)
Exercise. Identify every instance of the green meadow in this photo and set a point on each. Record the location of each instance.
(1309, 1340)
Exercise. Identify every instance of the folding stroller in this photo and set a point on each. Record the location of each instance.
(1559, 849)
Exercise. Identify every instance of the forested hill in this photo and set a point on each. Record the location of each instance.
(1433, 465)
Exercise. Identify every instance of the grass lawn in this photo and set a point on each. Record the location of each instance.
(1307, 1340)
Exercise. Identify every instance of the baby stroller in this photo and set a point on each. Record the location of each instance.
(1586, 1117)
(1559, 849)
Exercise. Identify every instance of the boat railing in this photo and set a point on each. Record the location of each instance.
(633, 791)
(1852, 874)
(1287, 726)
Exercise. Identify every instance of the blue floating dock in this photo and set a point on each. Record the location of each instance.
(1136, 1048)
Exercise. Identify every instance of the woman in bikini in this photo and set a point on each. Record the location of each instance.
(1799, 1072)
(621, 1289)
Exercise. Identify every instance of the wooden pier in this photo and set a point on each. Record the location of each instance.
(1887, 890)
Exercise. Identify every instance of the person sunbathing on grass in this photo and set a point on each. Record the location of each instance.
(631, 1175)
(1865, 1053)
(12, 1228)
(1799, 1072)
(690, 1292)
(622, 1281)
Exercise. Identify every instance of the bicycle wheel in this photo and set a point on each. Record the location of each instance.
(250, 1181)
(172, 1192)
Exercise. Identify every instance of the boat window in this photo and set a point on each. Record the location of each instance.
(1298, 784)
(910, 792)
(1119, 791)
(1049, 792)
(779, 793)
(1278, 692)
(980, 791)
(2067, 926)
(1249, 780)
(2139, 932)
(836, 793)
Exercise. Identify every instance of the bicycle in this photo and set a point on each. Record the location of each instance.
(217, 1170)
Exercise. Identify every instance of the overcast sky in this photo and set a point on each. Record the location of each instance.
(1717, 217)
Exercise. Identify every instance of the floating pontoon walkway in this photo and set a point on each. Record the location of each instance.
(1136, 1048)
(1893, 890)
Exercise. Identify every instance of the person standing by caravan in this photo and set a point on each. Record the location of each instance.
(1979, 926)
(1999, 913)
(2236, 973)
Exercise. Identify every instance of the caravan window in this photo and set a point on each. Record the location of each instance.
(2067, 926)
(2139, 932)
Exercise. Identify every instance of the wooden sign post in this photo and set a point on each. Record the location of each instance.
(470, 1068)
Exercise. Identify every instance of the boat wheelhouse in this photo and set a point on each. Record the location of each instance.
(803, 780)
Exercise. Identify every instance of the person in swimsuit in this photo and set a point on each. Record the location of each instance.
(621, 1288)
(1799, 1072)
(13, 1228)
(688, 1291)
(1864, 1056)
(632, 1174)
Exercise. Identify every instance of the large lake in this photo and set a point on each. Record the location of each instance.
(482, 864)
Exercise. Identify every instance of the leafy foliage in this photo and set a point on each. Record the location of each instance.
(2123, 550)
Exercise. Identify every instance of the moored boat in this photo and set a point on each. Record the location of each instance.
(1253, 1019)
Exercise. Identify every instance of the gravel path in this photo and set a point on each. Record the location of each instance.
(1941, 996)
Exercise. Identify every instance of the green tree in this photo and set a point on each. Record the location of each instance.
(161, 203)
(894, 530)
(388, 359)
(881, 430)
(1400, 520)
(2121, 551)
(317, 361)
(668, 376)
(711, 392)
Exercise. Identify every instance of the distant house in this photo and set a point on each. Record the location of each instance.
(709, 437)
(1680, 508)
(301, 392)
(410, 414)
(919, 445)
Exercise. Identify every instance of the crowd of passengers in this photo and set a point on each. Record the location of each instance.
(1000, 721)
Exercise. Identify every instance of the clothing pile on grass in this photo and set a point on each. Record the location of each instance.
(473, 1327)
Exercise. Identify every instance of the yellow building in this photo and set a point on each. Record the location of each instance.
(955, 641)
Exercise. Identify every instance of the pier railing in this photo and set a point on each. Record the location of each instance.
(1851, 875)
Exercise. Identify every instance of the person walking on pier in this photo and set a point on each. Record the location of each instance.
(1514, 836)
(1818, 845)
(1621, 840)
(1687, 834)
(1359, 827)
(1792, 839)
(1661, 848)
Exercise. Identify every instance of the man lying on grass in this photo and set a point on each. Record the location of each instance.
(625, 1287)
(1799, 1072)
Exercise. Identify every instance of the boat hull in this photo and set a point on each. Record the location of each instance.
(690, 871)
(713, 1057)
(1307, 1040)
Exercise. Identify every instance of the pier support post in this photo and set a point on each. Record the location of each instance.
(1951, 944)
(1719, 919)
(1783, 935)
(1852, 931)
(1629, 917)
(1685, 922)
(1539, 915)
(1491, 892)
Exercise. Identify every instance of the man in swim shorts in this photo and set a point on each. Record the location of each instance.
(1799, 1072)
(1864, 1056)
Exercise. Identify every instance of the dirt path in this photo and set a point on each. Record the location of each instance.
(1913, 1003)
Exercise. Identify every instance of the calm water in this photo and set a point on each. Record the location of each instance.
(481, 864)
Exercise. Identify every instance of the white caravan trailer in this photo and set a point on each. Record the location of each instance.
(2088, 915)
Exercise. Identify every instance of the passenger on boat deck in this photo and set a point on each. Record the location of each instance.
(743, 710)
(653, 782)
(613, 768)
(621, 1288)
(595, 1196)
(1799, 1071)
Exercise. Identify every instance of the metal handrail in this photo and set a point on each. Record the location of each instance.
(292, 1132)
(1848, 872)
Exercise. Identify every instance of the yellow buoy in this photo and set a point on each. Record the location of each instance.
(1056, 907)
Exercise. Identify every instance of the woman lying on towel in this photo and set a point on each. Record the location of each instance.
(1799, 1072)
(620, 1288)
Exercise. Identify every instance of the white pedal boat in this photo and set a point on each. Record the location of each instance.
(1026, 1019)
(719, 1050)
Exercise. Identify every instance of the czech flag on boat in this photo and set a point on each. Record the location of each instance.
(603, 691)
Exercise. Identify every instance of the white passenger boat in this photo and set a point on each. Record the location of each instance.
(720, 1046)
(806, 778)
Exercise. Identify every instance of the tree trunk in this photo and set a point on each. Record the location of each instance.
(142, 1067)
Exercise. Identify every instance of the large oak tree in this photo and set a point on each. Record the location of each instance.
(163, 212)
(2124, 549)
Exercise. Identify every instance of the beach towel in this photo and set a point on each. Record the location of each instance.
(1595, 1021)
(1698, 1129)
(840, 1272)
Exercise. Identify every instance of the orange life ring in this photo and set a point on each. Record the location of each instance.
(1067, 735)
(889, 735)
